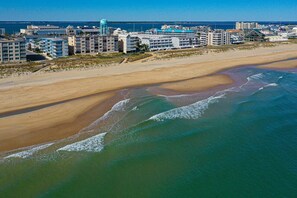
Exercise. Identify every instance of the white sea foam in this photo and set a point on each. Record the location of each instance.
(92, 144)
(30, 152)
(177, 96)
(269, 85)
(272, 85)
(193, 111)
(135, 108)
(118, 107)
(253, 77)
(256, 76)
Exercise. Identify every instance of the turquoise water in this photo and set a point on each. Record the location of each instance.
(240, 141)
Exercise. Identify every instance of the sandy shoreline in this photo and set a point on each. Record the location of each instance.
(86, 95)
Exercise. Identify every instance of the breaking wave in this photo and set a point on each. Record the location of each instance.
(118, 107)
(30, 152)
(92, 144)
(193, 111)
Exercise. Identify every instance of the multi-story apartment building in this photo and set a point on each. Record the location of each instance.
(12, 50)
(54, 47)
(128, 43)
(246, 26)
(92, 44)
(219, 37)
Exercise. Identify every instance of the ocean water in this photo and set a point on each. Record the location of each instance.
(15, 26)
(239, 141)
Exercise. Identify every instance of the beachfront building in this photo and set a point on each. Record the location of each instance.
(92, 44)
(170, 37)
(12, 50)
(219, 37)
(247, 25)
(156, 42)
(128, 43)
(203, 37)
(2, 31)
(54, 47)
(184, 42)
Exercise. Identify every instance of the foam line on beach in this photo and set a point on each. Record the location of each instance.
(92, 144)
(30, 152)
(118, 107)
(193, 111)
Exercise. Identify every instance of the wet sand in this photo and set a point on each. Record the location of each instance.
(287, 64)
(46, 107)
(198, 84)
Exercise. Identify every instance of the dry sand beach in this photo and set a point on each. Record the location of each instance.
(43, 107)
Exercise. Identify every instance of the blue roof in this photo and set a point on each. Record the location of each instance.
(170, 30)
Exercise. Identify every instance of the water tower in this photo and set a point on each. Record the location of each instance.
(103, 27)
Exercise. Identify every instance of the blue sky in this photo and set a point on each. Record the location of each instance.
(137, 10)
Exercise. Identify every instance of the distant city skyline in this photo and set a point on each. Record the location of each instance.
(153, 10)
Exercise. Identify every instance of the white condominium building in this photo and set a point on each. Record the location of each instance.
(183, 42)
(13, 50)
(166, 42)
(92, 44)
(128, 43)
(156, 42)
(219, 37)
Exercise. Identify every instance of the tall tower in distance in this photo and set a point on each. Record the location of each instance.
(103, 27)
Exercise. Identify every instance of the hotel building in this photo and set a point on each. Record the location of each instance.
(92, 44)
(13, 50)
